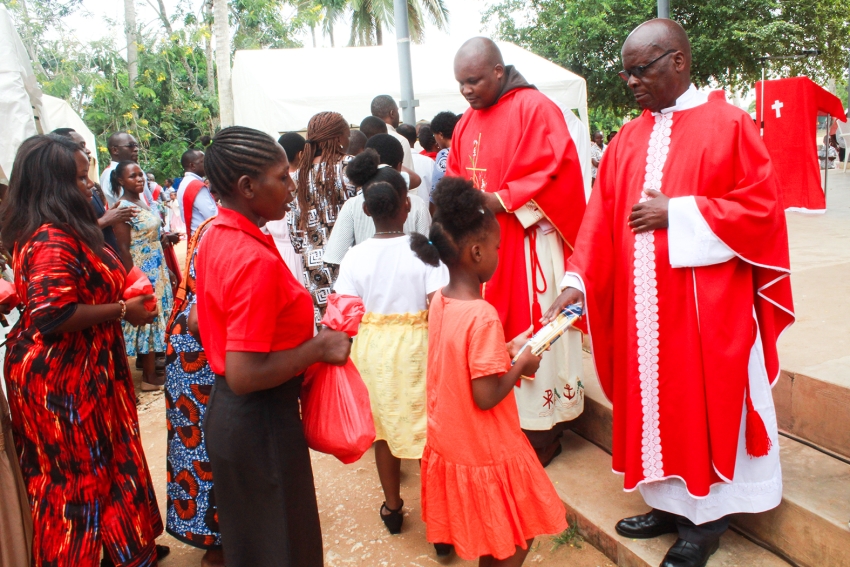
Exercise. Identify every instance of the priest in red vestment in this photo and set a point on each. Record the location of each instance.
(682, 265)
(513, 143)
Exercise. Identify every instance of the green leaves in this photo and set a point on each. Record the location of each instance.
(727, 36)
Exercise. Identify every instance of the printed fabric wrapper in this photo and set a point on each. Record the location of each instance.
(8, 295)
(335, 407)
(137, 283)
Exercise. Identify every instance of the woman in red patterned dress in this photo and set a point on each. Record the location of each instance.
(70, 390)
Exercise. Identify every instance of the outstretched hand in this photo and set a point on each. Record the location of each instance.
(650, 214)
(570, 296)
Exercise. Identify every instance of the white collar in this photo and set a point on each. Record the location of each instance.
(691, 98)
(192, 175)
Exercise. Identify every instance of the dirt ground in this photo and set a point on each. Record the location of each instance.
(349, 498)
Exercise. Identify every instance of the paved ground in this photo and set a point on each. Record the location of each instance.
(349, 497)
(818, 344)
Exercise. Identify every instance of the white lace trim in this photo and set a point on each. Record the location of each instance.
(646, 306)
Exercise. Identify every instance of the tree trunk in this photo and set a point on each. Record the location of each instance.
(183, 61)
(130, 32)
(208, 48)
(313, 33)
(221, 25)
(379, 32)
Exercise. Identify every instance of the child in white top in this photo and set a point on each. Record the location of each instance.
(391, 347)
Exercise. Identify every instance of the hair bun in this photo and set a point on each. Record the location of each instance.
(363, 167)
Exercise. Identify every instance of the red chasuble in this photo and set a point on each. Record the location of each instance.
(672, 345)
(791, 108)
(520, 149)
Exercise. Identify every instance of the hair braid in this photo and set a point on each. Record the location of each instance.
(323, 133)
(238, 151)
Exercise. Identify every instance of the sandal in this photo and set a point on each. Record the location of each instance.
(394, 519)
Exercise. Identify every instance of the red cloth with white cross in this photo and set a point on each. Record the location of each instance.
(791, 107)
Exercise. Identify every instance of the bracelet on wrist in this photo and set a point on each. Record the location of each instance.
(123, 309)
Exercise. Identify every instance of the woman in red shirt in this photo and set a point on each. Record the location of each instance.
(256, 325)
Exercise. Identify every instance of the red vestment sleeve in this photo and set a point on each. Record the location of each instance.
(593, 261)
(750, 220)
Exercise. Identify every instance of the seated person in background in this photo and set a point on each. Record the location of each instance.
(828, 154)
(422, 164)
(356, 143)
(372, 126)
(353, 226)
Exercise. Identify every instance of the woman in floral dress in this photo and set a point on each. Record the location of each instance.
(192, 516)
(139, 245)
(321, 190)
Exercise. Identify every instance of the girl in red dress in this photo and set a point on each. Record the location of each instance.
(483, 488)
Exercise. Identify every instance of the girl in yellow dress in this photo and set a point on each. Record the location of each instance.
(391, 347)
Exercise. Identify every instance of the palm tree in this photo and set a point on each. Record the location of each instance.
(369, 18)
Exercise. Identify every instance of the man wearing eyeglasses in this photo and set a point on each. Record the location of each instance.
(122, 147)
(682, 265)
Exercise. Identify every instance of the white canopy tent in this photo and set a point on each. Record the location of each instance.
(21, 101)
(278, 90)
(19, 94)
(58, 114)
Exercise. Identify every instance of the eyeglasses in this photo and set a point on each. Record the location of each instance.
(638, 71)
(134, 145)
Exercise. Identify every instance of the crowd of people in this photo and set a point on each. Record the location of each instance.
(462, 236)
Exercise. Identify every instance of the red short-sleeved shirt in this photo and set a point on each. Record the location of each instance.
(248, 300)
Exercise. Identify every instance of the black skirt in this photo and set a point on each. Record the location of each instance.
(263, 478)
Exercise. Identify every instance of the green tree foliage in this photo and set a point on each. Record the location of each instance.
(173, 102)
(728, 38)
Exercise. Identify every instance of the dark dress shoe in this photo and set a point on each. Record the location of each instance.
(650, 525)
(687, 554)
(444, 549)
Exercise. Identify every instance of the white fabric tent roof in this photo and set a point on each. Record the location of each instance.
(19, 93)
(58, 114)
(21, 99)
(278, 90)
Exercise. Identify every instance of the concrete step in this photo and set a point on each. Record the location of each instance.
(810, 526)
(595, 502)
(814, 410)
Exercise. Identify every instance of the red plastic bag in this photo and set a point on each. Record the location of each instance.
(8, 294)
(335, 407)
(137, 283)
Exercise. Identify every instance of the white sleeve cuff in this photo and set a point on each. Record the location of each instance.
(690, 240)
(528, 215)
(572, 280)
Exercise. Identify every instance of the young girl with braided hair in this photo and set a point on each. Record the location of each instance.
(321, 190)
(483, 488)
(256, 326)
(391, 346)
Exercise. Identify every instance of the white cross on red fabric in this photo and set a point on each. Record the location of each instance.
(777, 106)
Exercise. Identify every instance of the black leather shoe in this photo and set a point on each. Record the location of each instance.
(444, 549)
(687, 554)
(650, 525)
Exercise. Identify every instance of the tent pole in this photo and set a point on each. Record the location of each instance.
(826, 159)
(405, 71)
